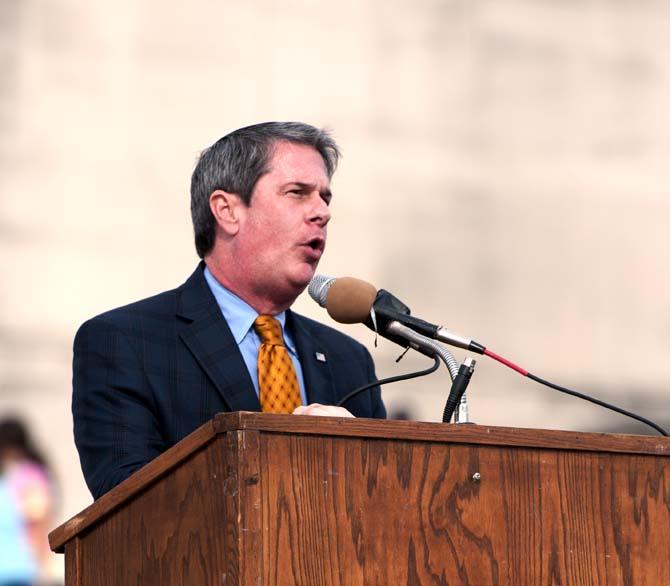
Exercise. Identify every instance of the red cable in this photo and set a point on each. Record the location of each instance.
(506, 362)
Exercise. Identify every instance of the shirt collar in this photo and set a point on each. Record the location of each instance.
(238, 313)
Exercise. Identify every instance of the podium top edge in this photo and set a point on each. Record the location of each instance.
(442, 432)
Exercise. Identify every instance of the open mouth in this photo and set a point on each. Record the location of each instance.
(314, 248)
(317, 244)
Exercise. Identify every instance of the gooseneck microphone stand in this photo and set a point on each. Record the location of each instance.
(460, 375)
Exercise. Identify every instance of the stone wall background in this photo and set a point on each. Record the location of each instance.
(505, 173)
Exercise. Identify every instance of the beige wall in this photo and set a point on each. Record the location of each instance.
(505, 173)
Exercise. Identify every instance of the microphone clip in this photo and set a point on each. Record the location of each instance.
(387, 308)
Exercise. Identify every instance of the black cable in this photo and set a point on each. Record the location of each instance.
(537, 379)
(457, 389)
(392, 379)
(597, 402)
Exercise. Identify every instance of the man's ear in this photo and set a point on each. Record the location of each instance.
(226, 210)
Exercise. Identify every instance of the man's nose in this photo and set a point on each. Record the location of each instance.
(319, 212)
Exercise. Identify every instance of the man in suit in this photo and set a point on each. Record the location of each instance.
(147, 374)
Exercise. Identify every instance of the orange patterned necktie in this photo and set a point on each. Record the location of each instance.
(277, 381)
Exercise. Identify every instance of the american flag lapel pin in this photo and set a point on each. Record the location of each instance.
(320, 356)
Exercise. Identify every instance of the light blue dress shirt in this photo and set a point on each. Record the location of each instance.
(240, 317)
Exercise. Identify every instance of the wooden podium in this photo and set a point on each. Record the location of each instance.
(252, 498)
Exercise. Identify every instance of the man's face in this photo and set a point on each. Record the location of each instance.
(282, 233)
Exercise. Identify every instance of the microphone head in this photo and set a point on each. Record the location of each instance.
(350, 300)
(318, 288)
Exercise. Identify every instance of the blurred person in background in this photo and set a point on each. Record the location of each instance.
(26, 506)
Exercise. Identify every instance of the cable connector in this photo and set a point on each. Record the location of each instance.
(458, 387)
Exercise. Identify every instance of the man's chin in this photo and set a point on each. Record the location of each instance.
(302, 278)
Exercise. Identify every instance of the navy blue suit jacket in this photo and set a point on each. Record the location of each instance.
(147, 374)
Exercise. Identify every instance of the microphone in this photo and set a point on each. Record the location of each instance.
(350, 300)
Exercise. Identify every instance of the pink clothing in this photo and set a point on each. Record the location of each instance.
(30, 487)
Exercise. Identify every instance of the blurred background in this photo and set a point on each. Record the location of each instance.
(505, 173)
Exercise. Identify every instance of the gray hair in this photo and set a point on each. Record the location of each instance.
(237, 161)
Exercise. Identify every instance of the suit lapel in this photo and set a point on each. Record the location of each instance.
(315, 371)
(208, 337)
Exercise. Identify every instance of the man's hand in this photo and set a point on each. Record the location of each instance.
(324, 410)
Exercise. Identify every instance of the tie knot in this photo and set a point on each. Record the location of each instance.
(269, 330)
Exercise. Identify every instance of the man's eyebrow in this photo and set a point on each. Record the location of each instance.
(300, 184)
(305, 186)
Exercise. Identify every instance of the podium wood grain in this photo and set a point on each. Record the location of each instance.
(272, 499)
